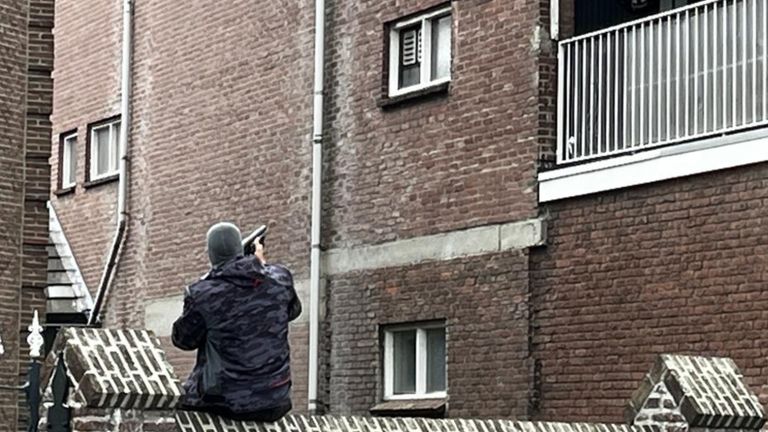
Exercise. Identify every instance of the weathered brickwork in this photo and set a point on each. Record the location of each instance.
(658, 406)
(222, 110)
(91, 354)
(700, 392)
(87, 90)
(118, 380)
(677, 266)
(453, 161)
(221, 103)
(484, 303)
(115, 368)
(121, 420)
(192, 422)
(222, 107)
(26, 55)
(12, 119)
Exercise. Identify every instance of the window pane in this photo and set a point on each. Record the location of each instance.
(435, 360)
(441, 47)
(404, 359)
(410, 56)
(101, 136)
(116, 146)
(70, 161)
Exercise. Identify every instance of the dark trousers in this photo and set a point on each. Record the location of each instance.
(266, 415)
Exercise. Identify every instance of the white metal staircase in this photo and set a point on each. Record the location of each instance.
(67, 296)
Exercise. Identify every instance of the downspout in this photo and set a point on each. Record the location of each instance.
(317, 166)
(122, 188)
(554, 19)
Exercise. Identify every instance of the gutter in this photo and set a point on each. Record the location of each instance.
(316, 218)
(122, 190)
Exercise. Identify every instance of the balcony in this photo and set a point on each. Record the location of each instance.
(686, 75)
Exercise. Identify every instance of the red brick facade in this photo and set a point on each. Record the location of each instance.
(484, 303)
(670, 267)
(26, 59)
(215, 124)
(222, 131)
(451, 162)
(222, 111)
(464, 159)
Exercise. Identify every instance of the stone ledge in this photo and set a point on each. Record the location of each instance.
(194, 422)
(434, 408)
(437, 247)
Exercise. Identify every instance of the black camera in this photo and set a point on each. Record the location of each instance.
(258, 236)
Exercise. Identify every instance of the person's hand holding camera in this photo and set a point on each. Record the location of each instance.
(259, 252)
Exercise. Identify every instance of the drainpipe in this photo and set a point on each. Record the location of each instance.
(122, 189)
(317, 166)
(554, 19)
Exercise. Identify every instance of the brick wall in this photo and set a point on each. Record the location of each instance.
(467, 158)
(221, 131)
(25, 104)
(677, 266)
(484, 302)
(463, 159)
(87, 90)
(39, 105)
(110, 391)
(222, 110)
(12, 121)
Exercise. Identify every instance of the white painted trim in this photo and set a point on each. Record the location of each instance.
(425, 80)
(434, 14)
(421, 362)
(437, 247)
(418, 87)
(426, 51)
(416, 396)
(113, 147)
(66, 158)
(389, 361)
(554, 19)
(654, 165)
(394, 61)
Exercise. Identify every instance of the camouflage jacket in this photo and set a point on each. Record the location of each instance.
(237, 318)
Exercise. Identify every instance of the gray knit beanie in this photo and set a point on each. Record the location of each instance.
(224, 243)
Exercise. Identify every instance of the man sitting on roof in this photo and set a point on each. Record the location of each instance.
(237, 318)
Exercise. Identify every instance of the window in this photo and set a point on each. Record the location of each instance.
(68, 165)
(414, 362)
(104, 150)
(420, 52)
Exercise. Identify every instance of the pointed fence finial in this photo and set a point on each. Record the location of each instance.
(35, 338)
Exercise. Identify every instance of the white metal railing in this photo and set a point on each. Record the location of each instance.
(693, 72)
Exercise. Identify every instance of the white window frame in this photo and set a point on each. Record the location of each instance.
(426, 65)
(66, 157)
(114, 146)
(421, 363)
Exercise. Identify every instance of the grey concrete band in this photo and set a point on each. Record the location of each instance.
(160, 313)
(438, 247)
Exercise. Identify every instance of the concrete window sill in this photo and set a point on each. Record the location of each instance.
(101, 181)
(432, 92)
(429, 408)
(65, 191)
